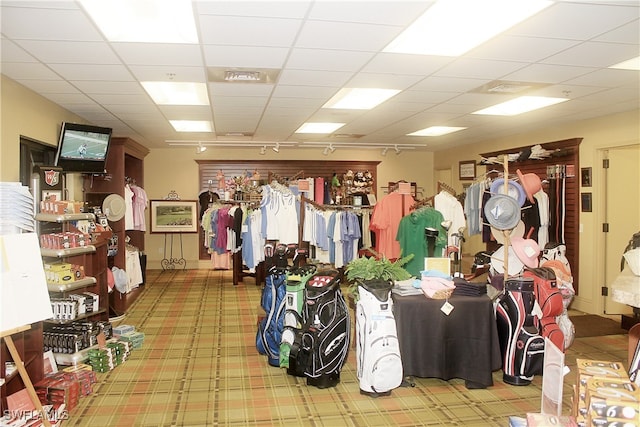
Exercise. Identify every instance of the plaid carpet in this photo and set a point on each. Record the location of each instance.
(199, 367)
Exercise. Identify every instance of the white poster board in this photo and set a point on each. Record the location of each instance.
(552, 380)
(24, 298)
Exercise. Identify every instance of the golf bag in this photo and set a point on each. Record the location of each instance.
(379, 366)
(294, 300)
(270, 328)
(320, 349)
(549, 298)
(521, 345)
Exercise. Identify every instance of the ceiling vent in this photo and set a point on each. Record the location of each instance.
(502, 87)
(242, 75)
(346, 135)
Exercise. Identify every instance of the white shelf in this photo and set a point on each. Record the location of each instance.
(72, 285)
(78, 318)
(61, 253)
(63, 217)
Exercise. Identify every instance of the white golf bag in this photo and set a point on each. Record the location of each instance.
(379, 365)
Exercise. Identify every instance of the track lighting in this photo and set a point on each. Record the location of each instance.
(276, 148)
(201, 148)
(397, 149)
(384, 151)
(263, 149)
(328, 149)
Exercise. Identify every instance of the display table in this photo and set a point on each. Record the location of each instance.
(626, 290)
(463, 344)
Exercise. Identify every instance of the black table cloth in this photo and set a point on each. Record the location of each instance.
(463, 344)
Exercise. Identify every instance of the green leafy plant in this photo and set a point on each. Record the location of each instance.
(369, 268)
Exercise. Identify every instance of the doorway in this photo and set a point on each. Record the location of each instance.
(622, 213)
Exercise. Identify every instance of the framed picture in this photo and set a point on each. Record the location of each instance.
(585, 177)
(467, 169)
(174, 216)
(585, 199)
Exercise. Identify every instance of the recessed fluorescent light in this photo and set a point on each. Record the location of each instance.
(177, 93)
(436, 131)
(520, 105)
(319, 127)
(148, 21)
(453, 27)
(359, 98)
(191, 125)
(630, 64)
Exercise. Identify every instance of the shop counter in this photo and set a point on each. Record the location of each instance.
(463, 344)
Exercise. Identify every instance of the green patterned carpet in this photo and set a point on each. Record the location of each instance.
(199, 367)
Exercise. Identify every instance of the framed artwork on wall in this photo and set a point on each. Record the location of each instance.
(467, 170)
(585, 199)
(174, 216)
(585, 177)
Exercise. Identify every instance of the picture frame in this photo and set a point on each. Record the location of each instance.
(586, 202)
(467, 170)
(174, 216)
(585, 177)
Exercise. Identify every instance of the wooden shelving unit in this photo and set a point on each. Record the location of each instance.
(125, 160)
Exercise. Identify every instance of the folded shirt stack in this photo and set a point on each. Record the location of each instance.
(465, 288)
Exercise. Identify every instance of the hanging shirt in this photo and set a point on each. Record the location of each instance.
(128, 212)
(451, 209)
(385, 220)
(140, 201)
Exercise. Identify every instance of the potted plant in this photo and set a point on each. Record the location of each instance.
(370, 268)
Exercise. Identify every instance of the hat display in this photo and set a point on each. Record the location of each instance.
(527, 251)
(530, 182)
(502, 211)
(516, 232)
(114, 207)
(514, 190)
(515, 266)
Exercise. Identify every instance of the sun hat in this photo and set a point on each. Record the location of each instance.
(530, 182)
(516, 232)
(514, 189)
(502, 211)
(114, 207)
(515, 266)
(527, 251)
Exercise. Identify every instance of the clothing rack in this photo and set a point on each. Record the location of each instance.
(446, 187)
(428, 202)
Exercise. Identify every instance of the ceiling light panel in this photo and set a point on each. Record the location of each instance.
(359, 98)
(149, 21)
(453, 27)
(323, 128)
(630, 64)
(436, 131)
(177, 93)
(520, 105)
(191, 125)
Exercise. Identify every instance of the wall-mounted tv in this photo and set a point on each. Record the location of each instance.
(83, 148)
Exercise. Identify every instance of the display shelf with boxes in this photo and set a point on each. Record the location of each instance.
(75, 264)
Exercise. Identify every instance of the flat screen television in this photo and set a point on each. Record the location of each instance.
(83, 148)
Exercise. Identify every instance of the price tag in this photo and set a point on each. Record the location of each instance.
(446, 308)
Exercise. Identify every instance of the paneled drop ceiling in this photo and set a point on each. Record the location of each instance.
(313, 49)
